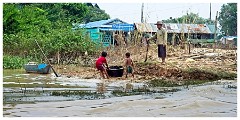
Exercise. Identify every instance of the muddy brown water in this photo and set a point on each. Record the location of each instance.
(29, 95)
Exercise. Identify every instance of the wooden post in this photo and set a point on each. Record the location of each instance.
(189, 48)
(188, 43)
(113, 34)
(58, 57)
(173, 39)
(215, 33)
(47, 59)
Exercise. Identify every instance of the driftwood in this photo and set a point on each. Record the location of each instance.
(214, 55)
(206, 55)
(187, 56)
(198, 57)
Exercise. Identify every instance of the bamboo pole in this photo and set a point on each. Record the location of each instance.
(47, 59)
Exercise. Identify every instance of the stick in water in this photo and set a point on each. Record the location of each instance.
(47, 59)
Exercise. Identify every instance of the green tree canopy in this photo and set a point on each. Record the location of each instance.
(51, 25)
(228, 19)
(189, 18)
(95, 14)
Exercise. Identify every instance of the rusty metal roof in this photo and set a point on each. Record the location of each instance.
(144, 27)
(174, 28)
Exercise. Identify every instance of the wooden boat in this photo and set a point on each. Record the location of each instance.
(33, 67)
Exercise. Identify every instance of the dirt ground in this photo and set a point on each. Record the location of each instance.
(178, 60)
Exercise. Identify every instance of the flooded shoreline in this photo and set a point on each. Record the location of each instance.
(118, 98)
(207, 100)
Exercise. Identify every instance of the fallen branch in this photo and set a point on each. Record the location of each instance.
(198, 57)
(188, 56)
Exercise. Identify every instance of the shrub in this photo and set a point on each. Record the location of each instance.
(13, 62)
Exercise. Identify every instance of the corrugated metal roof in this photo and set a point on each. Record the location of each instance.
(212, 28)
(174, 28)
(144, 27)
(102, 23)
(154, 27)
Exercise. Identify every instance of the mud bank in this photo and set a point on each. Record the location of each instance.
(154, 70)
(151, 70)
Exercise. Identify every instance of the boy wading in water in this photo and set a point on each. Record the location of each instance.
(100, 65)
(129, 64)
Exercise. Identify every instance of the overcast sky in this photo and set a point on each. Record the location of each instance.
(154, 10)
(131, 12)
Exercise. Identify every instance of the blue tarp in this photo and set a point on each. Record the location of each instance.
(123, 27)
(230, 37)
(41, 66)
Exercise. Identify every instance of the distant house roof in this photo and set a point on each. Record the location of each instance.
(145, 27)
(107, 25)
(175, 28)
(212, 28)
(102, 23)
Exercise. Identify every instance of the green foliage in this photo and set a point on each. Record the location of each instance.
(51, 25)
(95, 14)
(28, 19)
(195, 82)
(68, 12)
(227, 75)
(75, 93)
(10, 12)
(216, 74)
(122, 93)
(68, 41)
(13, 62)
(190, 18)
(162, 83)
(228, 19)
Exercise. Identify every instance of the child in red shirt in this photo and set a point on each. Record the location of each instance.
(100, 65)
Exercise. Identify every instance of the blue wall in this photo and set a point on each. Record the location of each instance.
(99, 37)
